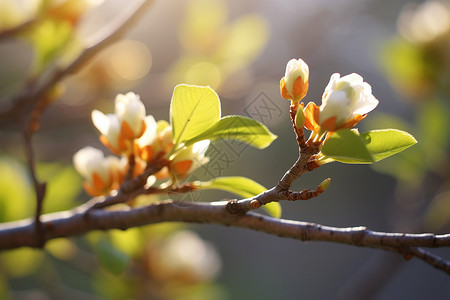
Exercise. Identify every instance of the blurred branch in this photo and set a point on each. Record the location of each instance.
(84, 219)
(14, 31)
(110, 34)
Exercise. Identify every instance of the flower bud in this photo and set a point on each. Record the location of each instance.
(101, 173)
(189, 159)
(324, 184)
(294, 84)
(131, 113)
(345, 102)
(299, 117)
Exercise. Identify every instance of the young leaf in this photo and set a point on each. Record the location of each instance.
(386, 142)
(238, 185)
(238, 128)
(244, 187)
(193, 110)
(111, 258)
(273, 209)
(348, 147)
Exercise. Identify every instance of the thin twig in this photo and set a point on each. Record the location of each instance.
(39, 188)
(29, 129)
(106, 37)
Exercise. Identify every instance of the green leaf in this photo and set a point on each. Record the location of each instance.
(192, 111)
(238, 128)
(244, 187)
(111, 258)
(273, 209)
(386, 142)
(347, 146)
(238, 185)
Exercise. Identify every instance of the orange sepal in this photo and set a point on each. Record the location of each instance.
(105, 142)
(283, 91)
(91, 190)
(353, 121)
(300, 88)
(126, 132)
(162, 174)
(98, 182)
(124, 144)
(146, 153)
(182, 167)
(311, 112)
(330, 124)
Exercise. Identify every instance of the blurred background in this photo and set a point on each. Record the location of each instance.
(239, 48)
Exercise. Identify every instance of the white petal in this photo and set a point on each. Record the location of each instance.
(149, 135)
(200, 148)
(86, 160)
(294, 69)
(130, 108)
(100, 120)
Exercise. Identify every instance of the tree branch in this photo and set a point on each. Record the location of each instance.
(83, 219)
(103, 39)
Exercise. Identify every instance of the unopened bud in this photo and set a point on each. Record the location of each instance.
(294, 84)
(325, 184)
(299, 117)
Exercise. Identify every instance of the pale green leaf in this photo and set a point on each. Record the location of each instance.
(386, 142)
(238, 128)
(244, 187)
(273, 209)
(347, 146)
(238, 185)
(192, 111)
(111, 258)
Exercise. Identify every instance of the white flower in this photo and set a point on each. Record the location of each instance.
(189, 159)
(344, 101)
(131, 113)
(294, 84)
(98, 170)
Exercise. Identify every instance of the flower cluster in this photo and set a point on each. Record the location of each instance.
(345, 102)
(131, 134)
